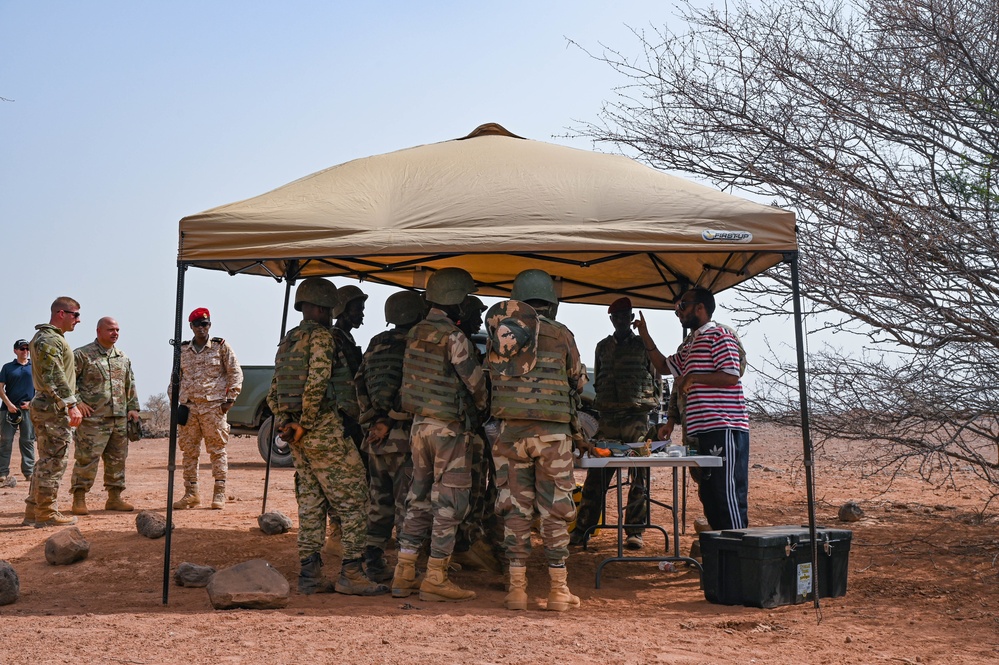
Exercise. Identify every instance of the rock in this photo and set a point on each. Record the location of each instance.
(850, 512)
(695, 549)
(66, 547)
(150, 524)
(253, 585)
(10, 585)
(701, 525)
(193, 575)
(274, 523)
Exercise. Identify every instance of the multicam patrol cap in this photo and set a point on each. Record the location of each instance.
(513, 337)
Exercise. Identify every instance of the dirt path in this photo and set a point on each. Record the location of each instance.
(923, 585)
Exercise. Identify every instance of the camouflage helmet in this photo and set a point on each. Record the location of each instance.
(404, 307)
(317, 291)
(534, 284)
(346, 295)
(449, 286)
(513, 338)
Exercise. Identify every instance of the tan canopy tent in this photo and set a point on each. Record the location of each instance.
(494, 204)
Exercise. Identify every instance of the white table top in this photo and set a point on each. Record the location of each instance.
(628, 462)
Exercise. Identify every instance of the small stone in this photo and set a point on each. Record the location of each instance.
(849, 639)
(254, 585)
(193, 575)
(695, 550)
(701, 525)
(66, 547)
(10, 585)
(150, 524)
(273, 523)
(850, 512)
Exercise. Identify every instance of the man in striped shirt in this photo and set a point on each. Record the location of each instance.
(707, 372)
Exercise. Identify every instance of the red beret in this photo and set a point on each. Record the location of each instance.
(619, 305)
(200, 313)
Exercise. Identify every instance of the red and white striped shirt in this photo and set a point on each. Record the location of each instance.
(712, 349)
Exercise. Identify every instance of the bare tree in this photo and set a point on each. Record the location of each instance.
(159, 421)
(877, 122)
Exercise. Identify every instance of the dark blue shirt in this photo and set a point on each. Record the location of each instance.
(16, 380)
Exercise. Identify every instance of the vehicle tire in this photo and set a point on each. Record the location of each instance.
(281, 454)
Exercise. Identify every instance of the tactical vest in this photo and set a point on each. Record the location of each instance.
(342, 378)
(383, 369)
(430, 386)
(542, 393)
(291, 367)
(623, 379)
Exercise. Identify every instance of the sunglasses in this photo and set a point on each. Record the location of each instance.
(21, 348)
(201, 324)
(75, 314)
(684, 304)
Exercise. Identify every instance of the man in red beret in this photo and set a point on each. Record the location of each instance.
(210, 380)
(626, 386)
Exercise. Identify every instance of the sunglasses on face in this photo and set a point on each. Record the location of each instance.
(21, 348)
(201, 324)
(75, 315)
(684, 304)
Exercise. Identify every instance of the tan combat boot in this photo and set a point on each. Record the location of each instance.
(190, 498)
(46, 514)
(560, 598)
(218, 498)
(115, 502)
(29, 513)
(516, 598)
(79, 502)
(354, 582)
(437, 587)
(405, 581)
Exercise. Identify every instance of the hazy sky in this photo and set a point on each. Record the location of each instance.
(119, 118)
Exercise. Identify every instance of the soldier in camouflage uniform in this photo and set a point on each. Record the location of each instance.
(349, 314)
(106, 389)
(536, 376)
(210, 380)
(445, 388)
(625, 383)
(54, 411)
(386, 443)
(329, 476)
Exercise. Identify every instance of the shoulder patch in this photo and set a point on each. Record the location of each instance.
(185, 342)
(218, 340)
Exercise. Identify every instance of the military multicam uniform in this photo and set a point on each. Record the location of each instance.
(329, 476)
(444, 387)
(208, 378)
(625, 386)
(533, 451)
(105, 382)
(53, 372)
(390, 463)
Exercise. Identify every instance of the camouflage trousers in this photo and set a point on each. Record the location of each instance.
(329, 480)
(390, 476)
(535, 474)
(626, 428)
(481, 521)
(52, 438)
(207, 422)
(442, 478)
(100, 439)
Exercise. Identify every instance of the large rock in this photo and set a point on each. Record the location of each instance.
(253, 585)
(66, 547)
(850, 512)
(274, 523)
(150, 524)
(10, 585)
(193, 575)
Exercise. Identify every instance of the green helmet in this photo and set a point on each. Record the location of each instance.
(345, 295)
(449, 286)
(534, 284)
(317, 291)
(404, 307)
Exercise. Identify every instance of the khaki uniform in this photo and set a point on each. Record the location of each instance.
(329, 475)
(445, 388)
(208, 378)
(105, 382)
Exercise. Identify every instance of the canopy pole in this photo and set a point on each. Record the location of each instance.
(806, 440)
(174, 399)
(270, 432)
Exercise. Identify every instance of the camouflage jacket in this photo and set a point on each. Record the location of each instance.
(210, 375)
(53, 369)
(105, 381)
(624, 377)
(316, 349)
